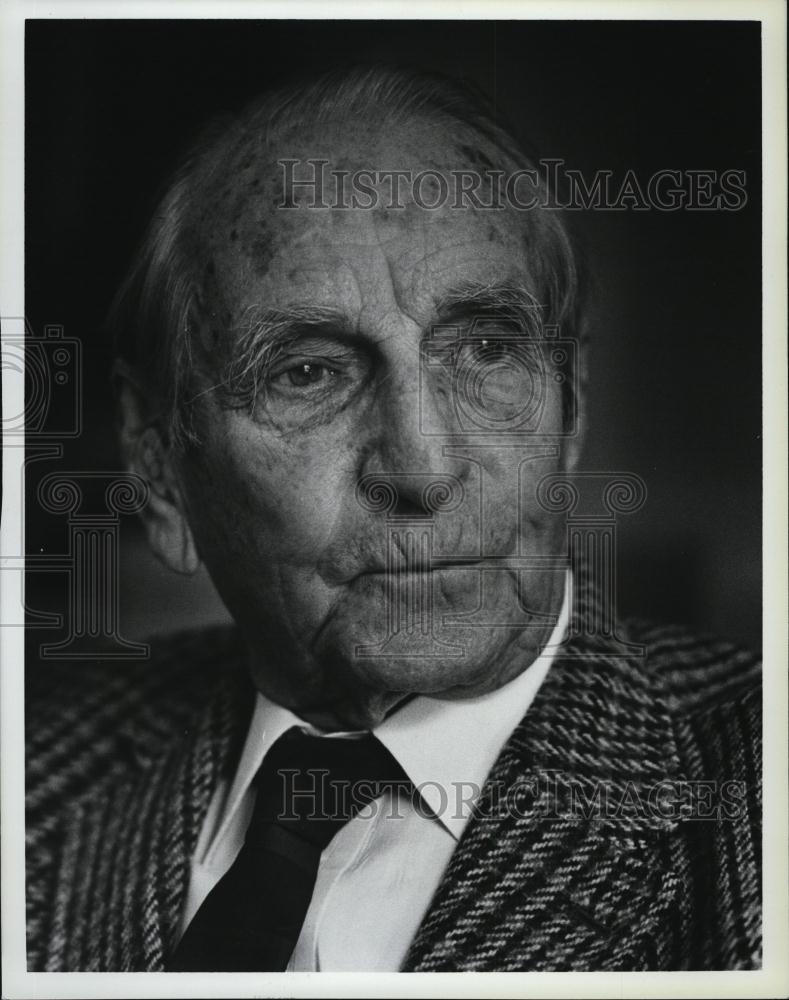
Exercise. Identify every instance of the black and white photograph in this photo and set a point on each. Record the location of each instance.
(394, 544)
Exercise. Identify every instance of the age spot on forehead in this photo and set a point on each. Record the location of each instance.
(260, 254)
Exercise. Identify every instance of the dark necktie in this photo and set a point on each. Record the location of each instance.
(308, 787)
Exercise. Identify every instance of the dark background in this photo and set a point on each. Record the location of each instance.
(675, 364)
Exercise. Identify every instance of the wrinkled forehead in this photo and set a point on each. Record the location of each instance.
(247, 165)
(282, 218)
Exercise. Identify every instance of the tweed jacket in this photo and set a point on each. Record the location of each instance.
(123, 760)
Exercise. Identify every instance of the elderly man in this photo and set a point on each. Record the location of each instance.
(349, 371)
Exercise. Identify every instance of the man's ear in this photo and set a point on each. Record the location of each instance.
(146, 452)
(573, 443)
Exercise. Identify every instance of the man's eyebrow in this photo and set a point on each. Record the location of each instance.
(469, 299)
(260, 327)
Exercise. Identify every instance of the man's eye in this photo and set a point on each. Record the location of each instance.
(314, 373)
(489, 350)
(498, 375)
(307, 373)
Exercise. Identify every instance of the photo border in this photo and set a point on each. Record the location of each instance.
(773, 978)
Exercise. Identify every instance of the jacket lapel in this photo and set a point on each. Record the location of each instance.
(125, 863)
(567, 863)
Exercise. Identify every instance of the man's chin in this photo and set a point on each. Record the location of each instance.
(373, 688)
(348, 716)
(356, 685)
(455, 663)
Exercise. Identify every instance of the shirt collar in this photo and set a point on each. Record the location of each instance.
(446, 747)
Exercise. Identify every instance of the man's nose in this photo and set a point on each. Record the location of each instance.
(412, 426)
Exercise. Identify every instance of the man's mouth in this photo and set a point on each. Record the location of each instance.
(435, 565)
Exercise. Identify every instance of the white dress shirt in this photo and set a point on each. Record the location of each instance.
(377, 876)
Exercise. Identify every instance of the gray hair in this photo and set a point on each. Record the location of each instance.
(157, 310)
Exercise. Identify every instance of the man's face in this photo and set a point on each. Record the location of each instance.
(341, 600)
